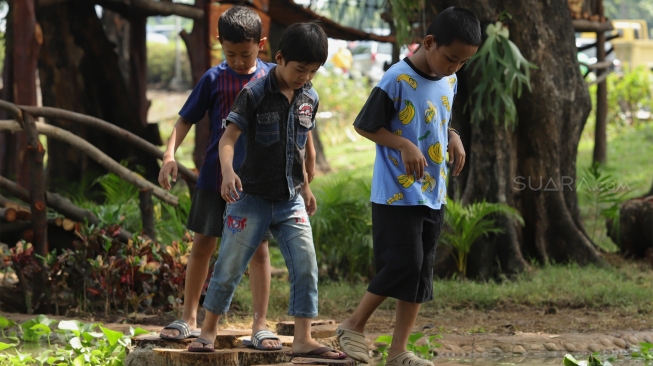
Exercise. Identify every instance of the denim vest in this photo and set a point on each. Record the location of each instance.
(276, 132)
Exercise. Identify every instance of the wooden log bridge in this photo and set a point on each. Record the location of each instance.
(230, 351)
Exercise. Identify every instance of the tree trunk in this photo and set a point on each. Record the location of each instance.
(533, 168)
(634, 234)
(79, 72)
(197, 43)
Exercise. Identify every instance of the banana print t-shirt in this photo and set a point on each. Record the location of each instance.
(415, 106)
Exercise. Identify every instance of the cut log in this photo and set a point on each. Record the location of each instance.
(4, 202)
(178, 357)
(288, 327)
(68, 224)
(634, 235)
(24, 215)
(322, 362)
(226, 338)
(250, 356)
(8, 214)
(58, 221)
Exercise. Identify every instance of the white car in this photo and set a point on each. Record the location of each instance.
(371, 58)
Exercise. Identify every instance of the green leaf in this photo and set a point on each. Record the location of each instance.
(71, 325)
(112, 335)
(6, 323)
(387, 339)
(41, 329)
(569, 360)
(79, 360)
(415, 337)
(4, 346)
(138, 331)
(76, 343)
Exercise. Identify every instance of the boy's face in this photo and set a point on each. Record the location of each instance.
(295, 74)
(241, 57)
(446, 60)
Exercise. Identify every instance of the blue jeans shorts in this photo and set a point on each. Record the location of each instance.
(245, 223)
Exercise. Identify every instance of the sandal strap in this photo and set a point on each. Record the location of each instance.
(181, 326)
(262, 335)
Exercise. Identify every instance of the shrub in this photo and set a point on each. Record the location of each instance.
(161, 63)
(342, 229)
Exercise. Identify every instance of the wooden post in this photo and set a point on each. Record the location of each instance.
(27, 39)
(147, 211)
(600, 138)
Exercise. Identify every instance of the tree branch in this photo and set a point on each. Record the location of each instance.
(97, 155)
(62, 114)
(150, 8)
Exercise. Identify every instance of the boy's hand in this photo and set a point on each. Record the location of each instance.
(413, 159)
(456, 152)
(231, 185)
(168, 168)
(309, 200)
(310, 169)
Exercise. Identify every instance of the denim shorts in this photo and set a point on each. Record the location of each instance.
(246, 221)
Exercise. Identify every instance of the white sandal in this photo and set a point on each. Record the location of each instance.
(353, 344)
(408, 359)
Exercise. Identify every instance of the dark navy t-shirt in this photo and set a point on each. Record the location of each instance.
(215, 94)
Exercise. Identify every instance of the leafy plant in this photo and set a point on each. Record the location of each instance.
(342, 229)
(592, 360)
(603, 197)
(644, 351)
(76, 343)
(503, 73)
(426, 350)
(465, 224)
(402, 12)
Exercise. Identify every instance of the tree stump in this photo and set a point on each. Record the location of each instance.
(634, 236)
(226, 338)
(288, 327)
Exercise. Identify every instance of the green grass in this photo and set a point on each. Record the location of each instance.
(626, 286)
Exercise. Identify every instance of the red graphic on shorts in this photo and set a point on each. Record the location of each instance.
(236, 223)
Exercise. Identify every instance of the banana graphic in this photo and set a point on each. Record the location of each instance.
(406, 115)
(398, 132)
(445, 103)
(430, 112)
(435, 153)
(428, 183)
(406, 180)
(424, 136)
(396, 197)
(452, 81)
(409, 80)
(444, 120)
(443, 174)
(393, 160)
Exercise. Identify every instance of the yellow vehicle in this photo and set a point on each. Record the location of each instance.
(633, 47)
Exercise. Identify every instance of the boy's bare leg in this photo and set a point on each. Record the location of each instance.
(209, 330)
(302, 342)
(405, 317)
(196, 271)
(364, 310)
(259, 284)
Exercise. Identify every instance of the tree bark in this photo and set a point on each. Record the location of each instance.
(634, 234)
(599, 155)
(532, 168)
(197, 43)
(147, 212)
(79, 72)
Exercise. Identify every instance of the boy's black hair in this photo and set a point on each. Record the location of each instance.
(455, 23)
(305, 43)
(239, 24)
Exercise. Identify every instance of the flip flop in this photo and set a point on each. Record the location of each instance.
(184, 331)
(317, 353)
(204, 343)
(353, 343)
(259, 337)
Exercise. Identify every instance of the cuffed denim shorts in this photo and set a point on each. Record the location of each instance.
(245, 223)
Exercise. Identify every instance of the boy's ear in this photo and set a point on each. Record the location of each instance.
(218, 37)
(279, 58)
(261, 43)
(429, 42)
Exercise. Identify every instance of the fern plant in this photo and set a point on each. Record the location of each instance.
(465, 224)
(504, 72)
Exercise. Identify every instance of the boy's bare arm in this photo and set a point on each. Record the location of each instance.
(231, 184)
(310, 158)
(309, 198)
(456, 152)
(411, 155)
(169, 165)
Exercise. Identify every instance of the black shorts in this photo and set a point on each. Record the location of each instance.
(207, 214)
(405, 238)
